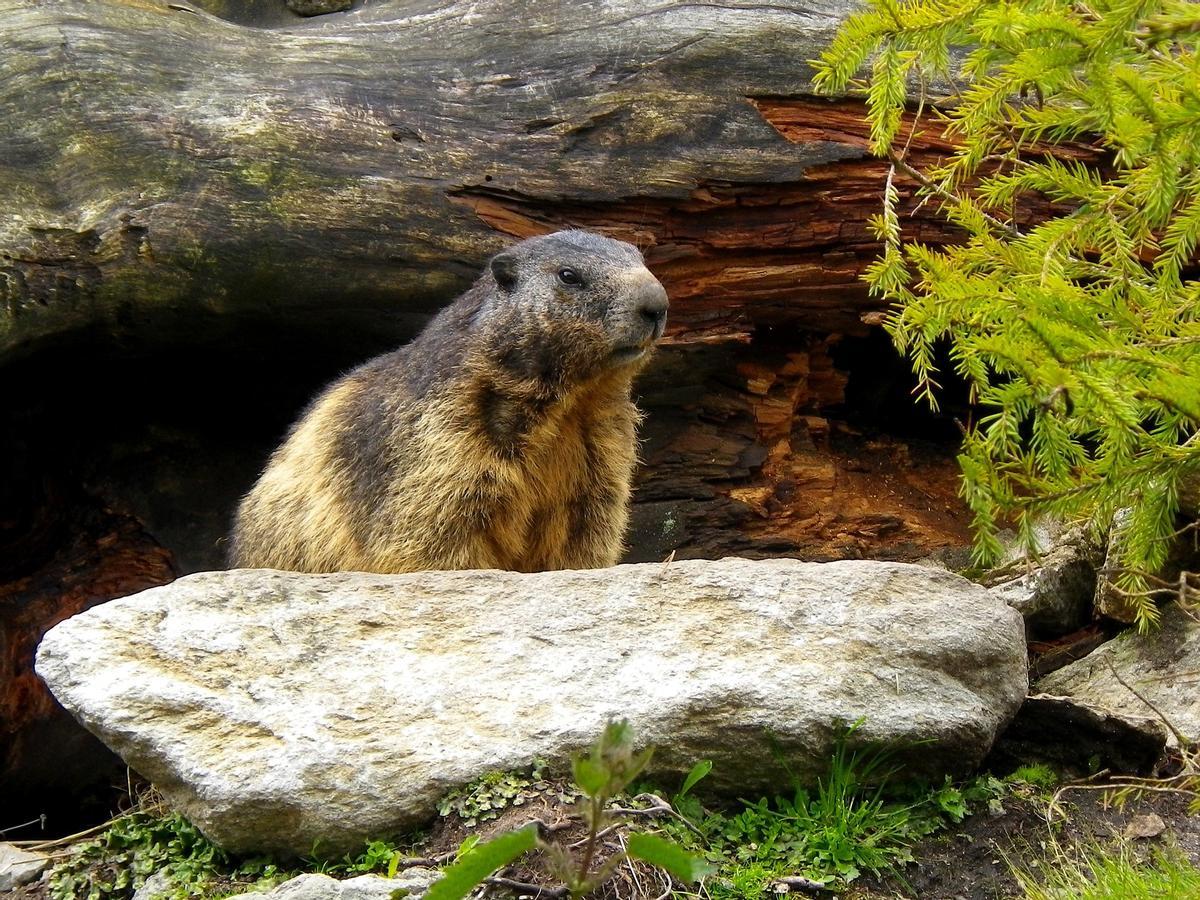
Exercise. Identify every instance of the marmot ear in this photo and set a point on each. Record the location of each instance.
(504, 270)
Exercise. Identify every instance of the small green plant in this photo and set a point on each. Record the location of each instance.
(1036, 775)
(376, 858)
(136, 846)
(744, 881)
(485, 798)
(684, 802)
(1105, 874)
(853, 821)
(601, 775)
(829, 835)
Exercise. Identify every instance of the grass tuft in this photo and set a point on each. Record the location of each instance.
(1110, 874)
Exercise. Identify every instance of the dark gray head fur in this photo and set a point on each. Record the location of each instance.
(557, 309)
(597, 284)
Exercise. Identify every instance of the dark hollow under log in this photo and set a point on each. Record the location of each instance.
(48, 764)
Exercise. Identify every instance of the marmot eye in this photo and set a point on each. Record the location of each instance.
(569, 276)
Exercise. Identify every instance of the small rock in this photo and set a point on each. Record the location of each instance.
(413, 882)
(1150, 825)
(19, 867)
(318, 7)
(1160, 666)
(1053, 593)
(156, 887)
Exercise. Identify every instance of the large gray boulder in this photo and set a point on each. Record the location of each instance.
(276, 709)
(1162, 667)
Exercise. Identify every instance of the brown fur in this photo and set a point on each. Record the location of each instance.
(502, 437)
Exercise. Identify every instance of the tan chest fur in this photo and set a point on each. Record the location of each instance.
(459, 502)
(574, 469)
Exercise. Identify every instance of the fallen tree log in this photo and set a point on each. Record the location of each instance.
(171, 169)
(199, 179)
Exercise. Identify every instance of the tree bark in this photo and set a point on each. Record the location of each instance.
(170, 168)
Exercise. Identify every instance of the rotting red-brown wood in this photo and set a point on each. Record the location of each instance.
(748, 452)
(759, 458)
(46, 760)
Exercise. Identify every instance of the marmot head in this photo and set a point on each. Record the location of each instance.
(578, 304)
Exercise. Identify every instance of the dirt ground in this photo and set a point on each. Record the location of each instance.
(972, 861)
(969, 861)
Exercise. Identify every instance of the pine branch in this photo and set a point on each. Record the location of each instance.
(1000, 226)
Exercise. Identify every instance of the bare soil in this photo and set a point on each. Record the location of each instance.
(969, 861)
(974, 860)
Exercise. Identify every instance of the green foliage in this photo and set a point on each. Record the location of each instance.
(140, 844)
(1035, 775)
(688, 806)
(376, 858)
(668, 856)
(483, 859)
(744, 881)
(611, 765)
(698, 772)
(852, 822)
(486, 797)
(1101, 874)
(136, 846)
(608, 768)
(1079, 336)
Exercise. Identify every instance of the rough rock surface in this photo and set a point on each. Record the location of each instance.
(19, 867)
(157, 887)
(1054, 592)
(276, 709)
(1162, 666)
(414, 883)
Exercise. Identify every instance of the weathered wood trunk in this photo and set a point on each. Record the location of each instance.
(365, 164)
(281, 202)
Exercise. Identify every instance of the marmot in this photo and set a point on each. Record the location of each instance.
(501, 437)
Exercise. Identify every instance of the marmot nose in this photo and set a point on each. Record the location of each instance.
(652, 306)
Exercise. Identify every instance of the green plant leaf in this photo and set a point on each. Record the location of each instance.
(1077, 328)
(669, 856)
(699, 771)
(470, 871)
(590, 774)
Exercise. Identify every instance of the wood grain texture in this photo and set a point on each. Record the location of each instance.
(171, 170)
